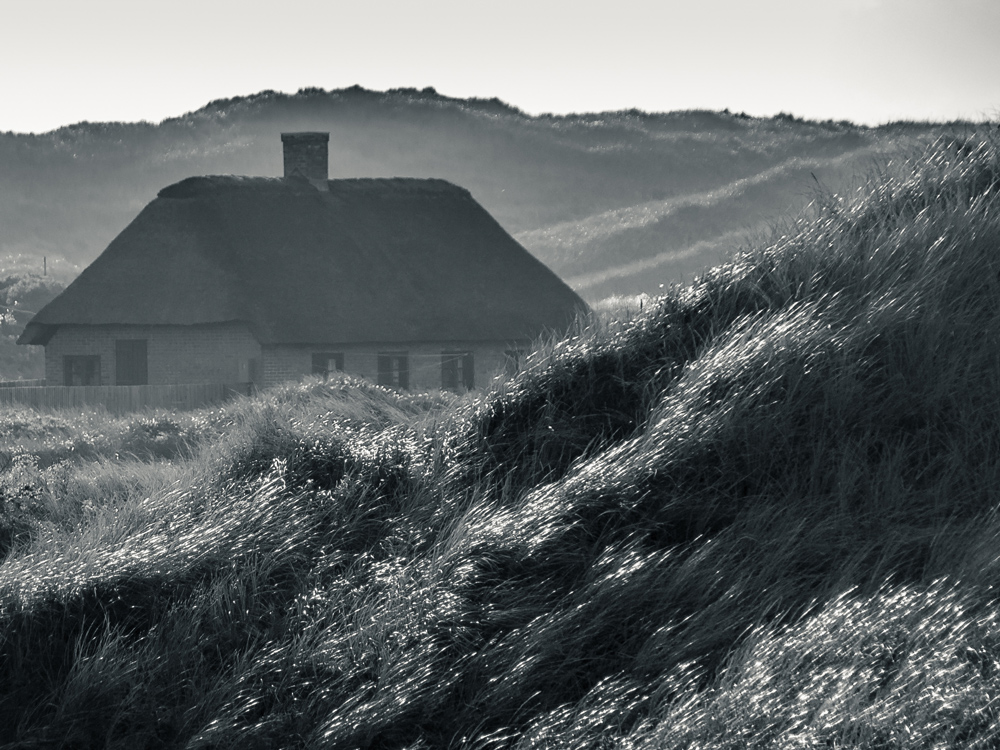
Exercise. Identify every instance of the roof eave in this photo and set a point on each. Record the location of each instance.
(37, 334)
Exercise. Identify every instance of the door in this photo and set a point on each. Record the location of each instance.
(130, 362)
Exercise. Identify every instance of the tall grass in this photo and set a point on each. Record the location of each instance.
(761, 513)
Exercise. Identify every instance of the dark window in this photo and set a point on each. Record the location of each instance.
(82, 369)
(130, 362)
(394, 369)
(326, 362)
(457, 371)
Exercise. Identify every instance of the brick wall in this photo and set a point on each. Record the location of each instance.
(175, 354)
(306, 155)
(223, 353)
(282, 363)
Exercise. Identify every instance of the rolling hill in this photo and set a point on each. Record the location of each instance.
(617, 203)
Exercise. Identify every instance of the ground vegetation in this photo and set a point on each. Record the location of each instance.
(761, 511)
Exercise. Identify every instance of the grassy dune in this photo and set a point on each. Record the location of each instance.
(759, 513)
(633, 249)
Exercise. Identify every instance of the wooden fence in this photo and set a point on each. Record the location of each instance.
(119, 399)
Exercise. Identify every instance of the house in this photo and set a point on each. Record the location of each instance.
(226, 279)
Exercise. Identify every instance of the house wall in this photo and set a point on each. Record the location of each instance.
(175, 354)
(282, 363)
(228, 353)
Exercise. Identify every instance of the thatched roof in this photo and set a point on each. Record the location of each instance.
(366, 260)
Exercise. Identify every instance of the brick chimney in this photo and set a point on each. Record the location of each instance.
(306, 155)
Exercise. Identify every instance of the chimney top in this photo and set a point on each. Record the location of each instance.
(306, 155)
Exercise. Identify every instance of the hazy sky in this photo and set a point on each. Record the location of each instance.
(869, 61)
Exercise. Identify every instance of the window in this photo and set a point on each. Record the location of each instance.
(130, 362)
(394, 369)
(326, 362)
(457, 370)
(82, 369)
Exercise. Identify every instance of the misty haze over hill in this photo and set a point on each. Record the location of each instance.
(616, 203)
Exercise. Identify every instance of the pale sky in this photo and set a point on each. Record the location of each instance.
(870, 61)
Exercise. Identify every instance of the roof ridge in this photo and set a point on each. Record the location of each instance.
(203, 185)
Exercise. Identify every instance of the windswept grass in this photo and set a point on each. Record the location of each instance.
(761, 512)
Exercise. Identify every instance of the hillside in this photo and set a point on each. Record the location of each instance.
(761, 513)
(618, 203)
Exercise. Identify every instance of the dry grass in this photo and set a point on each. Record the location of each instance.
(760, 514)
